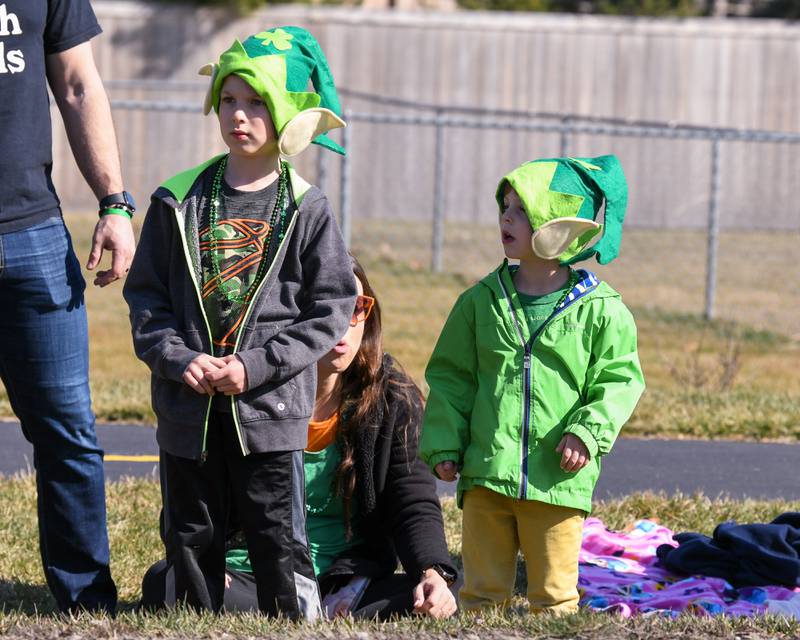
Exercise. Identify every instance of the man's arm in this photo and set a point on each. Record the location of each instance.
(84, 106)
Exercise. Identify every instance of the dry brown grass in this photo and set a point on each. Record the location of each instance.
(663, 270)
(660, 275)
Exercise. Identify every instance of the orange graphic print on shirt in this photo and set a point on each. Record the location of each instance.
(240, 247)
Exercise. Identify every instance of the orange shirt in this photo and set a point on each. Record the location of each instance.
(322, 433)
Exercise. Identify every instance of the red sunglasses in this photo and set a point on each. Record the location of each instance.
(363, 308)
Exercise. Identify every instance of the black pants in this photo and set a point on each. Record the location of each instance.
(269, 495)
(388, 596)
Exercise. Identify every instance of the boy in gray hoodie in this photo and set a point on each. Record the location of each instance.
(240, 283)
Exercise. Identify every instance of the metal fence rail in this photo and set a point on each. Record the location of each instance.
(441, 119)
(566, 129)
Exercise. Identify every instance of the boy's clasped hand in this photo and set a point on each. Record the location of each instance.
(209, 375)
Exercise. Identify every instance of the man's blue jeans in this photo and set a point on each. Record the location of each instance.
(44, 364)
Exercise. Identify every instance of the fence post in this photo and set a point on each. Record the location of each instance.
(713, 230)
(438, 195)
(566, 123)
(345, 180)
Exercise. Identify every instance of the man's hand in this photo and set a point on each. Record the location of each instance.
(230, 379)
(574, 454)
(432, 597)
(446, 471)
(195, 374)
(82, 100)
(114, 233)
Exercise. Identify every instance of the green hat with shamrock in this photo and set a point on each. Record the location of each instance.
(278, 64)
(562, 197)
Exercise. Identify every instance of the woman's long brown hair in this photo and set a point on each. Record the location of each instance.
(363, 387)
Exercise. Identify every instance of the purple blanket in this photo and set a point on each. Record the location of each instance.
(618, 573)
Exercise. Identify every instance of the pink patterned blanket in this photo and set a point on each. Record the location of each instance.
(618, 573)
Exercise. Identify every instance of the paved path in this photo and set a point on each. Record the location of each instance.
(130, 450)
(738, 469)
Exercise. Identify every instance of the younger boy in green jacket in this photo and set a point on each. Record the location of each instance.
(534, 373)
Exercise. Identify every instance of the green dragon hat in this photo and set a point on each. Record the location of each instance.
(562, 197)
(277, 64)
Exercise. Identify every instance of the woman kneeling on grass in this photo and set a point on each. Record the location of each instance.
(370, 499)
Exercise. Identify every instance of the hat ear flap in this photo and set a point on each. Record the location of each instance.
(301, 130)
(209, 69)
(606, 173)
(553, 238)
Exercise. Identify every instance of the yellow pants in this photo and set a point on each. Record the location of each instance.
(496, 527)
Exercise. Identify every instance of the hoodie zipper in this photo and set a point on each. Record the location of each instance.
(526, 363)
(188, 259)
(245, 319)
(526, 389)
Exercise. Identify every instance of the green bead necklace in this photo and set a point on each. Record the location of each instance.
(574, 278)
(213, 216)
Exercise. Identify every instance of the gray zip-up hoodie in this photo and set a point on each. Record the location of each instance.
(299, 312)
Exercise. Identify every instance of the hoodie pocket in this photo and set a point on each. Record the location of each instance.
(177, 403)
(274, 401)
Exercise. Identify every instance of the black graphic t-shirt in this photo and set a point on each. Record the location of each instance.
(29, 31)
(242, 231)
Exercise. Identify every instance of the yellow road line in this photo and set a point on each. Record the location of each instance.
(115, 458)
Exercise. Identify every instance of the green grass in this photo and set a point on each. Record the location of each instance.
(660, 275)
(585, 626)
(133, 507)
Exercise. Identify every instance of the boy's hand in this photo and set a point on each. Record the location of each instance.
(574, 454)
(195, 373)
(446, 470)
(231, 379)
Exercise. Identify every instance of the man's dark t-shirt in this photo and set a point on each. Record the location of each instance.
(30, 30)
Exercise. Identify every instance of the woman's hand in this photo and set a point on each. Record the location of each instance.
(340, 602)
(432, 596)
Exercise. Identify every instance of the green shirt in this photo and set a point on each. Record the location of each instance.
(537, 309)
(325, 519)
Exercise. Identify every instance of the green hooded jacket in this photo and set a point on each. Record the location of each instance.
(501, 400)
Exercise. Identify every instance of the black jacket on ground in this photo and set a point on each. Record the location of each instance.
(399, 514)
(742, 554)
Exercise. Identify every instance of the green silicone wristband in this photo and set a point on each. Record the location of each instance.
(115, 211)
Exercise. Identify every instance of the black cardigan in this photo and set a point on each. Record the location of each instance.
(399, 513)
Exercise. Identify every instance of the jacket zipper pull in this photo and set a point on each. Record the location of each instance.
(527, 360)
(203, 457)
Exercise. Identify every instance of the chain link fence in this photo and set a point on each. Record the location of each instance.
(566, 131)
(713, 223)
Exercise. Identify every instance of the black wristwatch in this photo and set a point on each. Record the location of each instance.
(123, 200)
(448, 576)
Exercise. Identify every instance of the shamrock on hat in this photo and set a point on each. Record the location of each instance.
(277, 64)
(562, 197)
